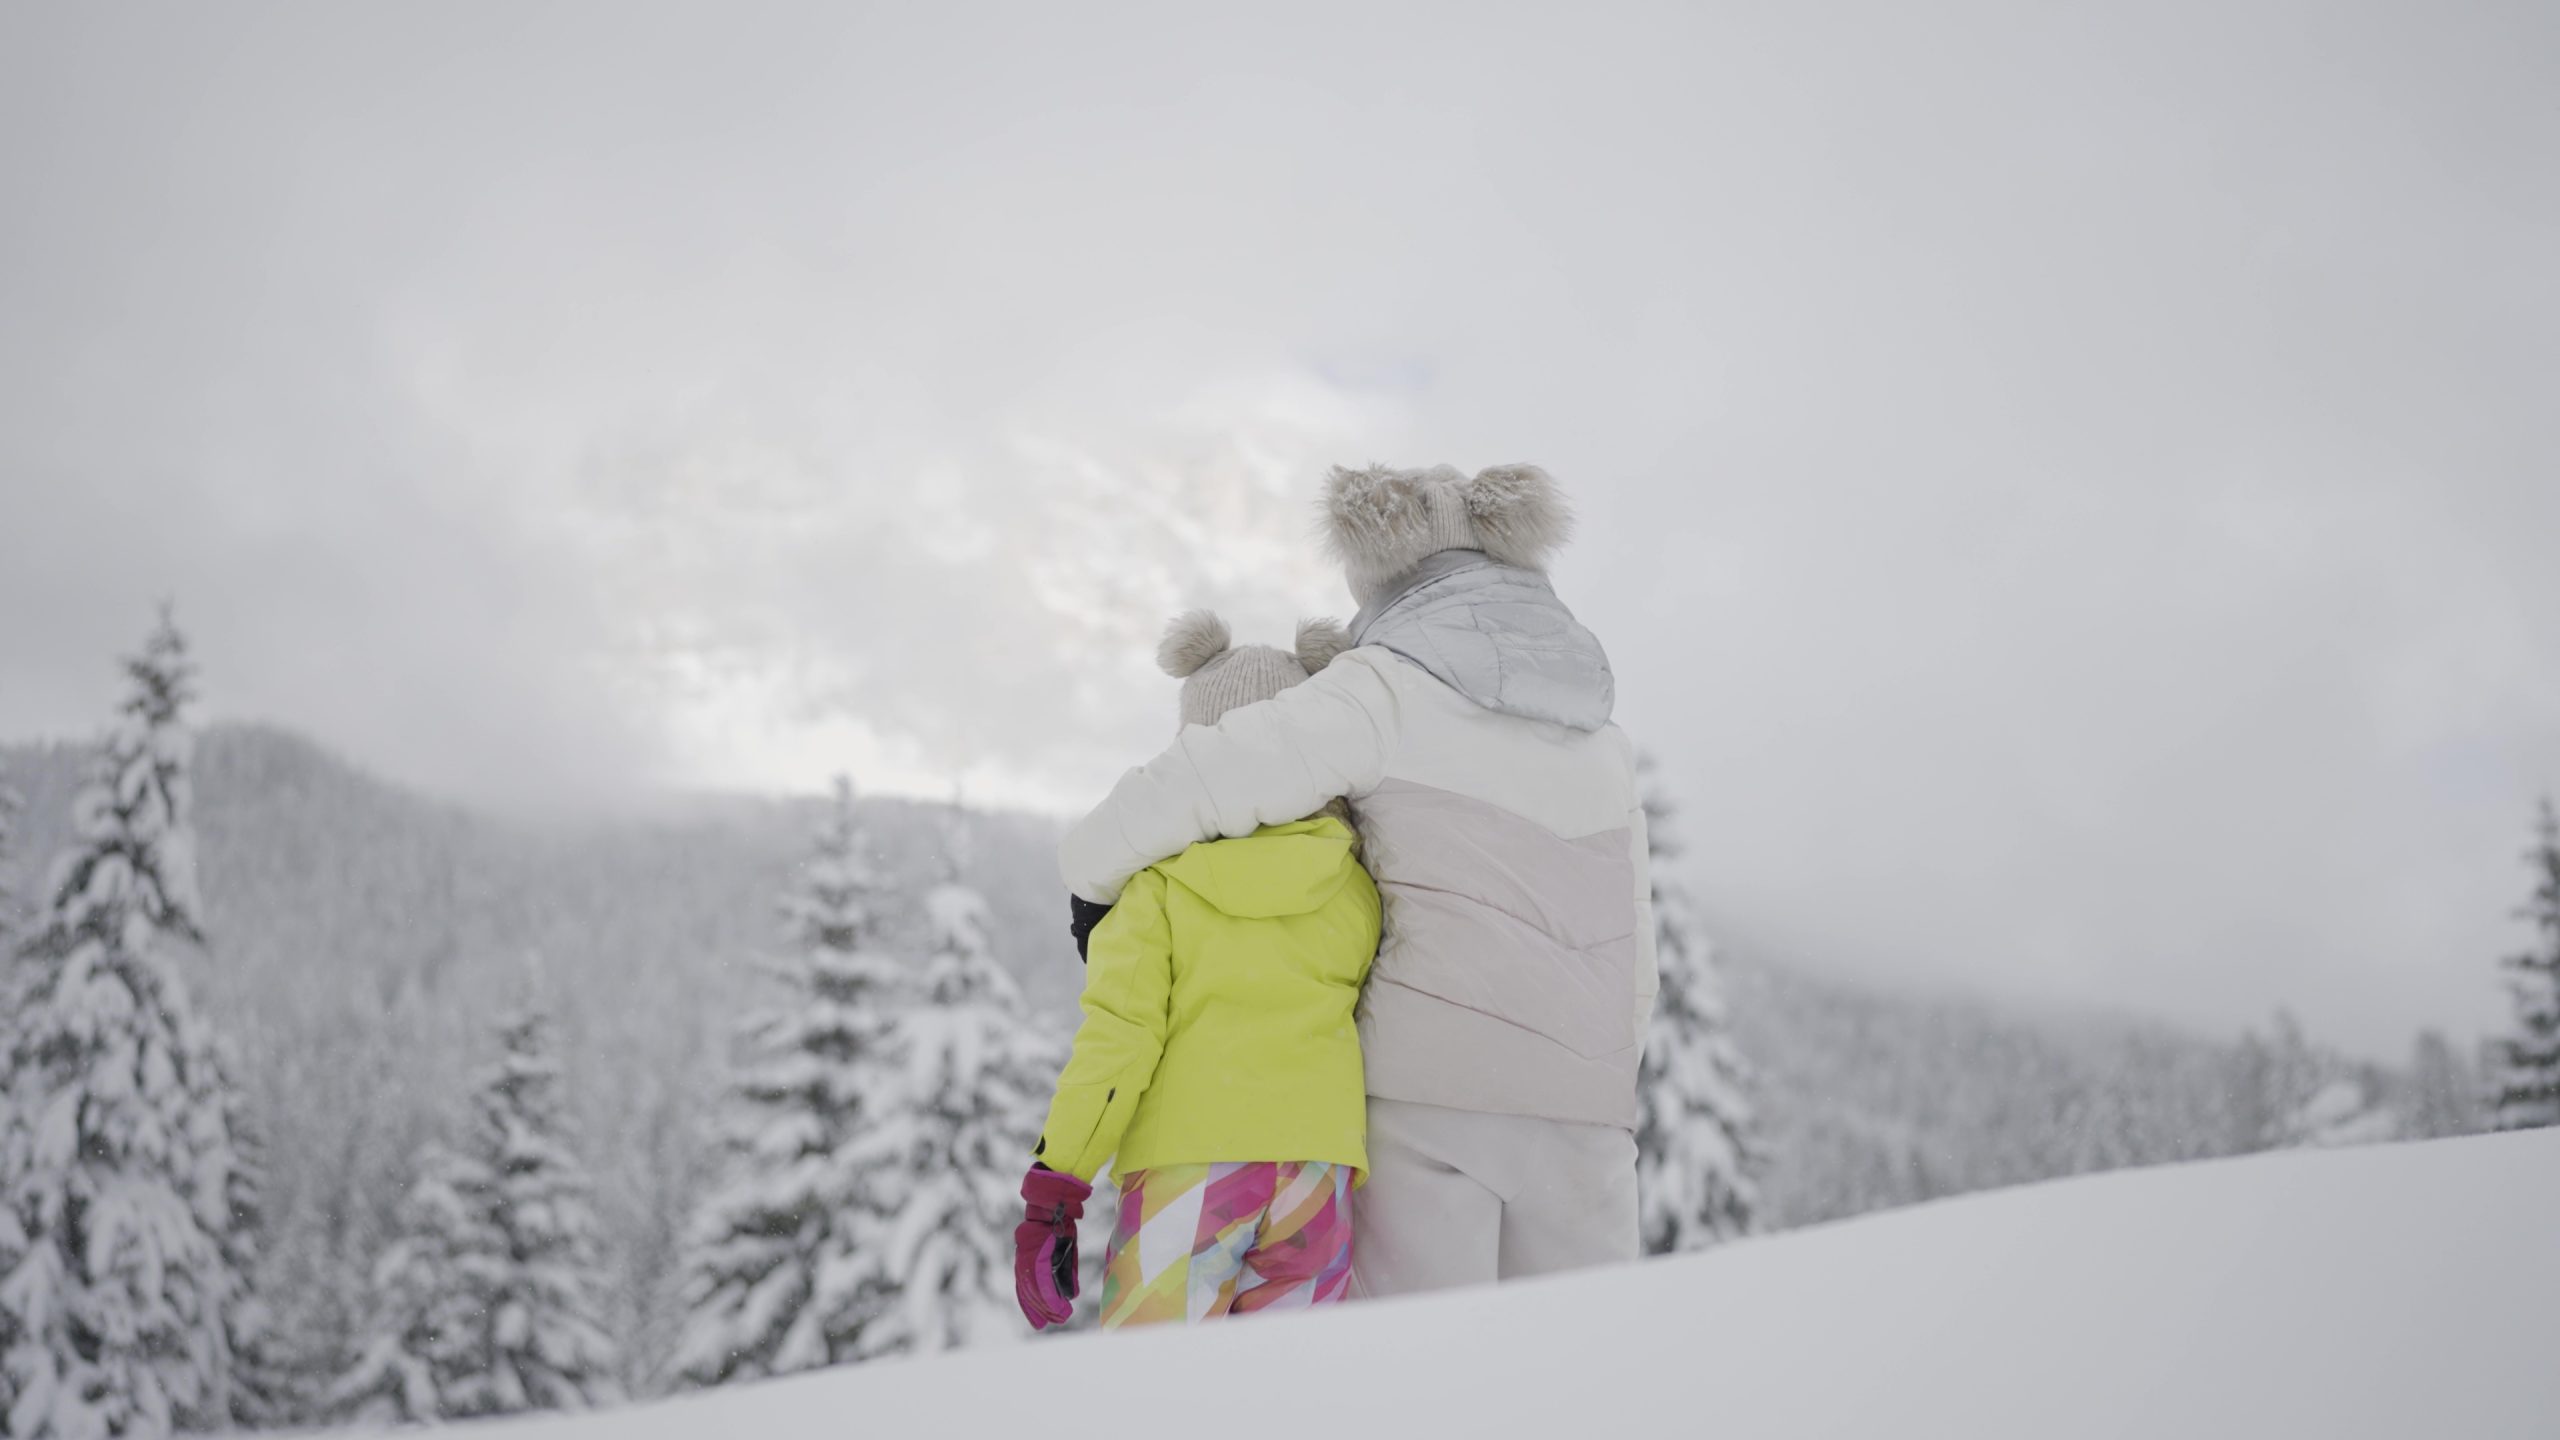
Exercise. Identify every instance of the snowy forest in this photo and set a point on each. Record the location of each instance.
(325, 1103)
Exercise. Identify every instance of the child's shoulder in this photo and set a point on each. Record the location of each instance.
(1279, 870)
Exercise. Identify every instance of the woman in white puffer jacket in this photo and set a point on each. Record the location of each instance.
(1469, 727)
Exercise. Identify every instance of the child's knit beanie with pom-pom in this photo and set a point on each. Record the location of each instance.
(1217, 675)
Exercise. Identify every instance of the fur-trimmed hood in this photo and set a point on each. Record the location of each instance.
(1380, 522)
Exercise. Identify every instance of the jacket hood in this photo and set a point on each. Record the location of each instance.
(1496, 634)
(1277, 870)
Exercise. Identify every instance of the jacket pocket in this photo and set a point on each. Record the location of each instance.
(1068, 1141)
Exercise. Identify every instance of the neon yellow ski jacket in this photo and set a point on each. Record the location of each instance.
(1218, 998)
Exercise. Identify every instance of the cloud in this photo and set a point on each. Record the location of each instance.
(996, 610)
(2067, 494)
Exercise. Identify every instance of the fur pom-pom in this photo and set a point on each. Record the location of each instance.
(1377, 514)
(1195, 638)
(1319, 640)
(1520, 514)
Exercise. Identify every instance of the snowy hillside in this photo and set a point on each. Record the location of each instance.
(368, 946)
(2389, 1291)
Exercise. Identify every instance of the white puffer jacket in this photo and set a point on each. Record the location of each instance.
(1498, 811)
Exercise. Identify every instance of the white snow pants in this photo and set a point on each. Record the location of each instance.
(1456, 1197)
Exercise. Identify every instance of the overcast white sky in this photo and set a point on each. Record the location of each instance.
(2071, 497)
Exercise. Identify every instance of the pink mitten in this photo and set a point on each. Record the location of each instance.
(1044, 1246)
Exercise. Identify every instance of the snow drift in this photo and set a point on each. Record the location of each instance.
(2388, 1291)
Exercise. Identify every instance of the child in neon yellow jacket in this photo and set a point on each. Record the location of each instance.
(1217, 1070)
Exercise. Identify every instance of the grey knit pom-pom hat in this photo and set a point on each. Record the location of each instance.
(1380, 521)
(1218, 675)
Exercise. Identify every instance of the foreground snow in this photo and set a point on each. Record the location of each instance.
(2389, 1291)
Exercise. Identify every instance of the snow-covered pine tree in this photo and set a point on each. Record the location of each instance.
(680, 1155)
(1697, 1146)
(978, 1077)
(786, 1261)
(12, 907)
(553, 1351)
(2528, 1085)
(490, 1298)
(265, 1393)
(2275, 1077)
(2443, 1095)
(426, 1351)
(116, 1163)
(12, 1241)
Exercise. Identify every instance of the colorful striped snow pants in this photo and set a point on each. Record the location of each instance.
(1196, 1242)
